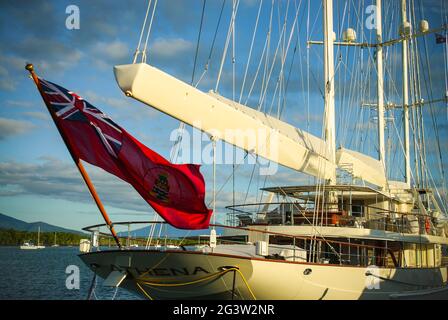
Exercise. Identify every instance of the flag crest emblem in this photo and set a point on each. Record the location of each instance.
(161, 188)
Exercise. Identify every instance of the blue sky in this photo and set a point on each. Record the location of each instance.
(38, 180)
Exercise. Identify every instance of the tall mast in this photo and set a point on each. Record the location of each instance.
(405, 95)
(380, 85)
(330, 130)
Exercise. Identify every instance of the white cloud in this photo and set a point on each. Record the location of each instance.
(250, 3)
(37, 115)
(20, 103)
(10, 61)
(61, 180)
(46, 54)
(7, 84)
(169, 48)
(114, 50)
(105, 54)
(95, 98)
(3, 72)
(125, 106)
(10, 127)
(303, 118)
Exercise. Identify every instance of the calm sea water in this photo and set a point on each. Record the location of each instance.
(40, 274)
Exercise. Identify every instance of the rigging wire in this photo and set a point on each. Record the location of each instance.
(266, 58)
(429, 86)
(250, 51)
(176, 145)
(207, 64)
(257, 72)
(143, 60)
(137, 50)
(149, 31)
(286, 85)
(198, 41)
(229, 33)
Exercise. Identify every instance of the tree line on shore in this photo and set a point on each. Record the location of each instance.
(11, 237)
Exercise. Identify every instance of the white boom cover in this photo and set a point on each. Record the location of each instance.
(363, 166)
(227, 120)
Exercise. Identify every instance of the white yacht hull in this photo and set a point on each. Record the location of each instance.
(28, 247)
(266, 279)
(31, 247)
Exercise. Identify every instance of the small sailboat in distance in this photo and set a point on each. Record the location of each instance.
(29, 245)
(55, 243)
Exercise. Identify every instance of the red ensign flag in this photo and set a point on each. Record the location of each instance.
(176, 192)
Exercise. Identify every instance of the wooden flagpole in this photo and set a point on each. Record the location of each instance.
(77, 161)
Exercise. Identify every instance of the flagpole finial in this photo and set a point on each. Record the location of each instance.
(29, 67)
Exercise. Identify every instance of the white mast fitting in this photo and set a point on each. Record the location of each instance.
(405, 29)
(330, 130)
(380, 85)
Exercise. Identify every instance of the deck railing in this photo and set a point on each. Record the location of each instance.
(368, 217)
(299, 249)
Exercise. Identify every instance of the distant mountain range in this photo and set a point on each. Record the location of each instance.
(169, 231)
(7, 222)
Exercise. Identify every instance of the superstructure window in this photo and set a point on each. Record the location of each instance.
(357, 208)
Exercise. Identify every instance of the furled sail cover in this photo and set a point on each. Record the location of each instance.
(362, 166)
(226, 120)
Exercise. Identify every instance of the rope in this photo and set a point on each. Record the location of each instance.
(246, 283)
(268, 74)
(229, 33)
(250, 51)
(266, 59)
(176, 146)
(296, 45)
(144, 291)
(149, 32)
(208, 277)
(137, 51)
(151, 231)
(432, 113)
(207, 64)
(228, 178)
(92, 288)
(257, 72)
(198, 41)
(115, 293)
(181, 284)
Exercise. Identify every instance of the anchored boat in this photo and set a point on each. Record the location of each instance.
(29, 245)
